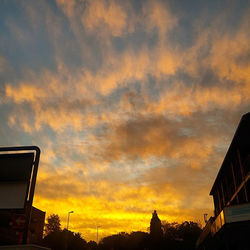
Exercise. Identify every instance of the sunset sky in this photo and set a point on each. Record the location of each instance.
(132, 103)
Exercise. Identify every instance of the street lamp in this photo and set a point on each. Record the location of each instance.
(97, 233)
(68, 219)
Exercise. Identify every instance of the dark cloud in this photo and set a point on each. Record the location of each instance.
(146, 136)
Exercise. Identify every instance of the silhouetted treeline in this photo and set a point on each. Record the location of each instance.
(134, 240)
(58, 239)
(65, 240)
(172, 236)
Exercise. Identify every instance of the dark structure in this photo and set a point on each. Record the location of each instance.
(230, 226)
(155, 227)
(18, 172)
(36, 226)
(12, 226)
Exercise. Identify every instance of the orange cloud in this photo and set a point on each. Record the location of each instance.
(229, 56)
(184, 100)
(67, 6)
(23, 93)
(157, 15)
(103, 16)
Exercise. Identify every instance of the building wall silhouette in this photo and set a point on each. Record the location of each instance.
(230, 226)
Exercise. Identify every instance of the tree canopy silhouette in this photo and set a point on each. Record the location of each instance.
(92, 245)
(163, 235)
(61, 240)
(155, 227)
(53, 224)
(124, 241)
(58, 239)
(181, 236)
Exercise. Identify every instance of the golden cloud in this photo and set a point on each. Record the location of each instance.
(229, 56)
(24, 92)
(116, 206)
(158, 15)
(103, 16)
(184, 100)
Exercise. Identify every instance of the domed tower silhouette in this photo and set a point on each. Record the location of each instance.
(155, 227)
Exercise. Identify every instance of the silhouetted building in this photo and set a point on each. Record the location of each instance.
(230, 226)
(155, 227)
(12, 224)
(36, 226)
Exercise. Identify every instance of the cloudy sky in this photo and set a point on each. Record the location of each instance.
(133, 103)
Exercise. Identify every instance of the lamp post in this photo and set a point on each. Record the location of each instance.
(68, 219)
(97, 234)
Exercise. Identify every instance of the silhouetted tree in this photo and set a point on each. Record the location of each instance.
(55, 241)
(115, 242)
(53, 224)
(172, 236)
(189, 231)
(75, 241)
(155, 227)
(170, 230)
(61, 240)
(92, 245)
(181, 236)
(125, 241)
(138, 240)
